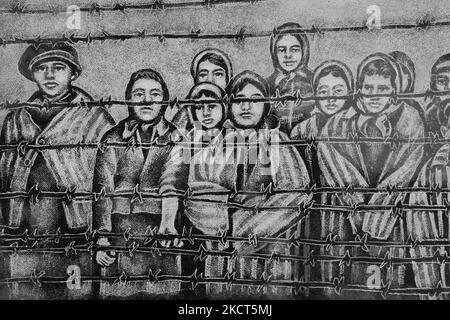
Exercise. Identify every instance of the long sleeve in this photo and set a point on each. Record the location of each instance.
(105, 169)
(176, 169)
(341, 166)
(400, 167)
(288, 172)
(423, 225)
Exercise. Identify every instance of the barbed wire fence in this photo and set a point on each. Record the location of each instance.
(15, 240)
(96, 8)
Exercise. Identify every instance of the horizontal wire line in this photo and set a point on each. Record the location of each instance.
(23, 145)
(262, 283)
(311, 206)
(202, 254)
(96, 8)
(182, 103)
(239, 36)
(252, 239)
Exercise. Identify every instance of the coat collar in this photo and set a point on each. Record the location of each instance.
(352, 112)
(74, 94)
(441, 158)
(131, 128)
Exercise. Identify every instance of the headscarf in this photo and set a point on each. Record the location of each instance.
(214, 90)
(381, 120)
(278, 32)
(345, 70)
(134, 122)
(442, 64)
(239, 82)
(345, 73)
(408, 71)
(216, 53)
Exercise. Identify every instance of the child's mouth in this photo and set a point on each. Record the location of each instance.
(51, 85)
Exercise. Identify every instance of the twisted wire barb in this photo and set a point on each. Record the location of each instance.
(197, 34)
(95, 8)
(276, 99)
(265, 281)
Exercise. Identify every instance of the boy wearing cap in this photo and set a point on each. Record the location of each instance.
(53, 67)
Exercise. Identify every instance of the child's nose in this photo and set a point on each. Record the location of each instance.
(206, 111)
(49, 73)
(148, 98)
(246, 105)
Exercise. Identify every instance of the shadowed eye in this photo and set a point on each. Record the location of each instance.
(138, 94)
(442, 81)
(40, 69)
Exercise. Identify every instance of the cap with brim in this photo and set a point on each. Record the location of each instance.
(47, 52)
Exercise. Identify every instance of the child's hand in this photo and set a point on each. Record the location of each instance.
(165, 229)
(171, 111)
(104, 259)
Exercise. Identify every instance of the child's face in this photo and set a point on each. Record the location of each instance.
(208, 114)
(147, 90)
(248, 114)
(209, 72)
(53, 77)
(442, 82)
(289, 52)
(331, 86)
(376, 84)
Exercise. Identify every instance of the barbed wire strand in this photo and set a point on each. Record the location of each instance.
(17, 235)
(265, 281)
(422, 23)
(19, 8)
(23, 146)
(277, 99)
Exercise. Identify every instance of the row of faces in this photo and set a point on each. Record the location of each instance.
(248, 114)
(54, 78)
